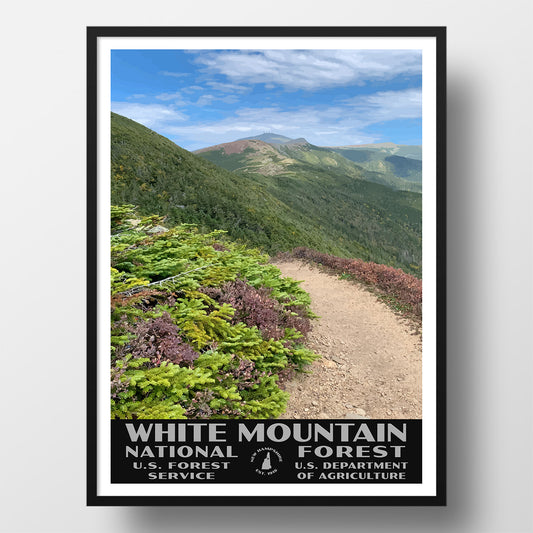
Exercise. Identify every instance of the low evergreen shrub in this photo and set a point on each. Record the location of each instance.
(200, 327)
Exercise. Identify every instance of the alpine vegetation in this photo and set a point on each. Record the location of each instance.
(201, 327)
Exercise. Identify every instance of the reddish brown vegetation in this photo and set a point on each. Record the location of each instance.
(394, 282)
(158, 340)
(255, 307)
(235, 147)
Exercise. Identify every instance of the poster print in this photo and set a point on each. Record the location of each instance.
(266, 266)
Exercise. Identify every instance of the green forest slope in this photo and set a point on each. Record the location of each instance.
(311, 201)
(400, 172)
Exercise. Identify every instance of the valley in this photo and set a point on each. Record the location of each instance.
(274, 195)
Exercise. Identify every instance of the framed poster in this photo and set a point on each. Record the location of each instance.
(266, 266)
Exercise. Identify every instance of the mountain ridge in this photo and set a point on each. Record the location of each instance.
(410, 151)
(233, 147)
(268, 137)
(381, 166)
(278, 205)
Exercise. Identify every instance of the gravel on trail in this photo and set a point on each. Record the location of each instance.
(371, 364)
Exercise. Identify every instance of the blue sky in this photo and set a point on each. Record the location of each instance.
(198, 98)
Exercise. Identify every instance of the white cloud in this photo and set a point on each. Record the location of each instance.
(311, 69)
(176, 97)
(173, 74)
(227, 87)
(343, 123)
(388, 105)
(154, 116)
(205, 99)
(326, 126)
(208, 99)
(192, 88)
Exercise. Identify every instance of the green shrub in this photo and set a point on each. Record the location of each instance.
(200, 327)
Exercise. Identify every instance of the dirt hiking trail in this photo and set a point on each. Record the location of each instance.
(371, 365)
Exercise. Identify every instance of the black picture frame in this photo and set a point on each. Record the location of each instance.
(94, 497)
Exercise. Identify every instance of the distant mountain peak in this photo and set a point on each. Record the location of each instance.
(296, 142)
(269, 137)
(235, 147)
(273, 140)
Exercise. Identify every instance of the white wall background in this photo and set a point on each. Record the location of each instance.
(42, 384)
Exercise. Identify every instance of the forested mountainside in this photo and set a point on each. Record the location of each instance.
(398, 171)
(297, 195)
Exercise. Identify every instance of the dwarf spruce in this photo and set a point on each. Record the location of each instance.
(201, 327)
